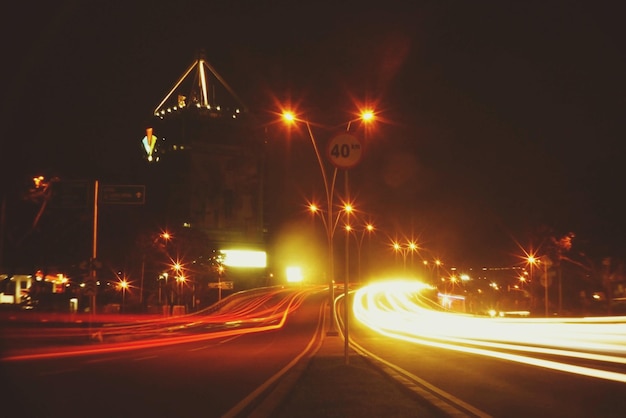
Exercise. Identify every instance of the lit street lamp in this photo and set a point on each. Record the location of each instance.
(532, 261)
(123, 285)
(369, 228)
(329, 188)
(180, 280)
(404, 250)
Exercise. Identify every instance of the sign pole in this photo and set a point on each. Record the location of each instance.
(94, 252)
(346, 284)
(344, 151)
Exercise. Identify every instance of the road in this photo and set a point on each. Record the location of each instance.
(218, 363)
(526, 368)
(210, 367)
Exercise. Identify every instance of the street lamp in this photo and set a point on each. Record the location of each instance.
(404, 250)
(399, 250)
(344, 152)
(329, 189)
(123, 285)
(532, 261)
(369, 228)
(177, 267)
(412, 246)
(180, 280)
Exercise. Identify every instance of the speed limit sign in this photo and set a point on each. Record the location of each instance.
(344, 151)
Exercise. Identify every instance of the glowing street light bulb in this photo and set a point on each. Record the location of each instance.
(289, 117)
(367, 115)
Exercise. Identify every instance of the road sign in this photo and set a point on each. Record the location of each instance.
(69, 194)
(344, 150)
(123, 194)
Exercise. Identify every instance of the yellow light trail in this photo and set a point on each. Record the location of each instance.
(398, 310)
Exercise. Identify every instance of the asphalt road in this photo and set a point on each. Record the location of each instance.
(206, 377)
(490, 387)
(202, 369)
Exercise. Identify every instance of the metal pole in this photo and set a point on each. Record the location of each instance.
(219, 287)
(143, 271)
(329, 229)
(94, 252)
(545, 275)
(346, 284)
(3, 209)
(560, 273)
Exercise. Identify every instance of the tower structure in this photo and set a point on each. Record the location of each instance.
(205, 159)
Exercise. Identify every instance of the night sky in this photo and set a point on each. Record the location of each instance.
(497, 121)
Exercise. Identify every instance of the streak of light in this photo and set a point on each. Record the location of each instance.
(398, 309)
(261, 313)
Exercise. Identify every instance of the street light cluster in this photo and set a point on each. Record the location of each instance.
(329, 221)
(330, 224)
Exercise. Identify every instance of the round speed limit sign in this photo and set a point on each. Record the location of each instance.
(345, 150)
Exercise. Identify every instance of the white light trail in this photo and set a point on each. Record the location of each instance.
(398, 310)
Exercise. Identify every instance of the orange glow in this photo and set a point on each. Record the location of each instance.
(367, 115)
(289, 117)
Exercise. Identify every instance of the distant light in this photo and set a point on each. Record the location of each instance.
(294, 274)
(245, 258)
(289, 116)
(368, 115)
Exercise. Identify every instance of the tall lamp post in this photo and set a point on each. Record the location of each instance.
(404, 250)
(341, 150)
(344, 151)
(329, 189)
(369, 228)
(123, 285)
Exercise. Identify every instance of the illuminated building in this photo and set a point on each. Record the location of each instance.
(205, 161)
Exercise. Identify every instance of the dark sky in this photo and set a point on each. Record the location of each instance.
(496, 118)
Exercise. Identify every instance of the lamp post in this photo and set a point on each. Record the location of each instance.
(181, 282)
(329, 189)
(413, 248)
(532, 261)
(344, 151)
(178, 269)
(369, 228)
(438, 264)
(346, 288)
(397, 247)
(123, 285)
(404, 250)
